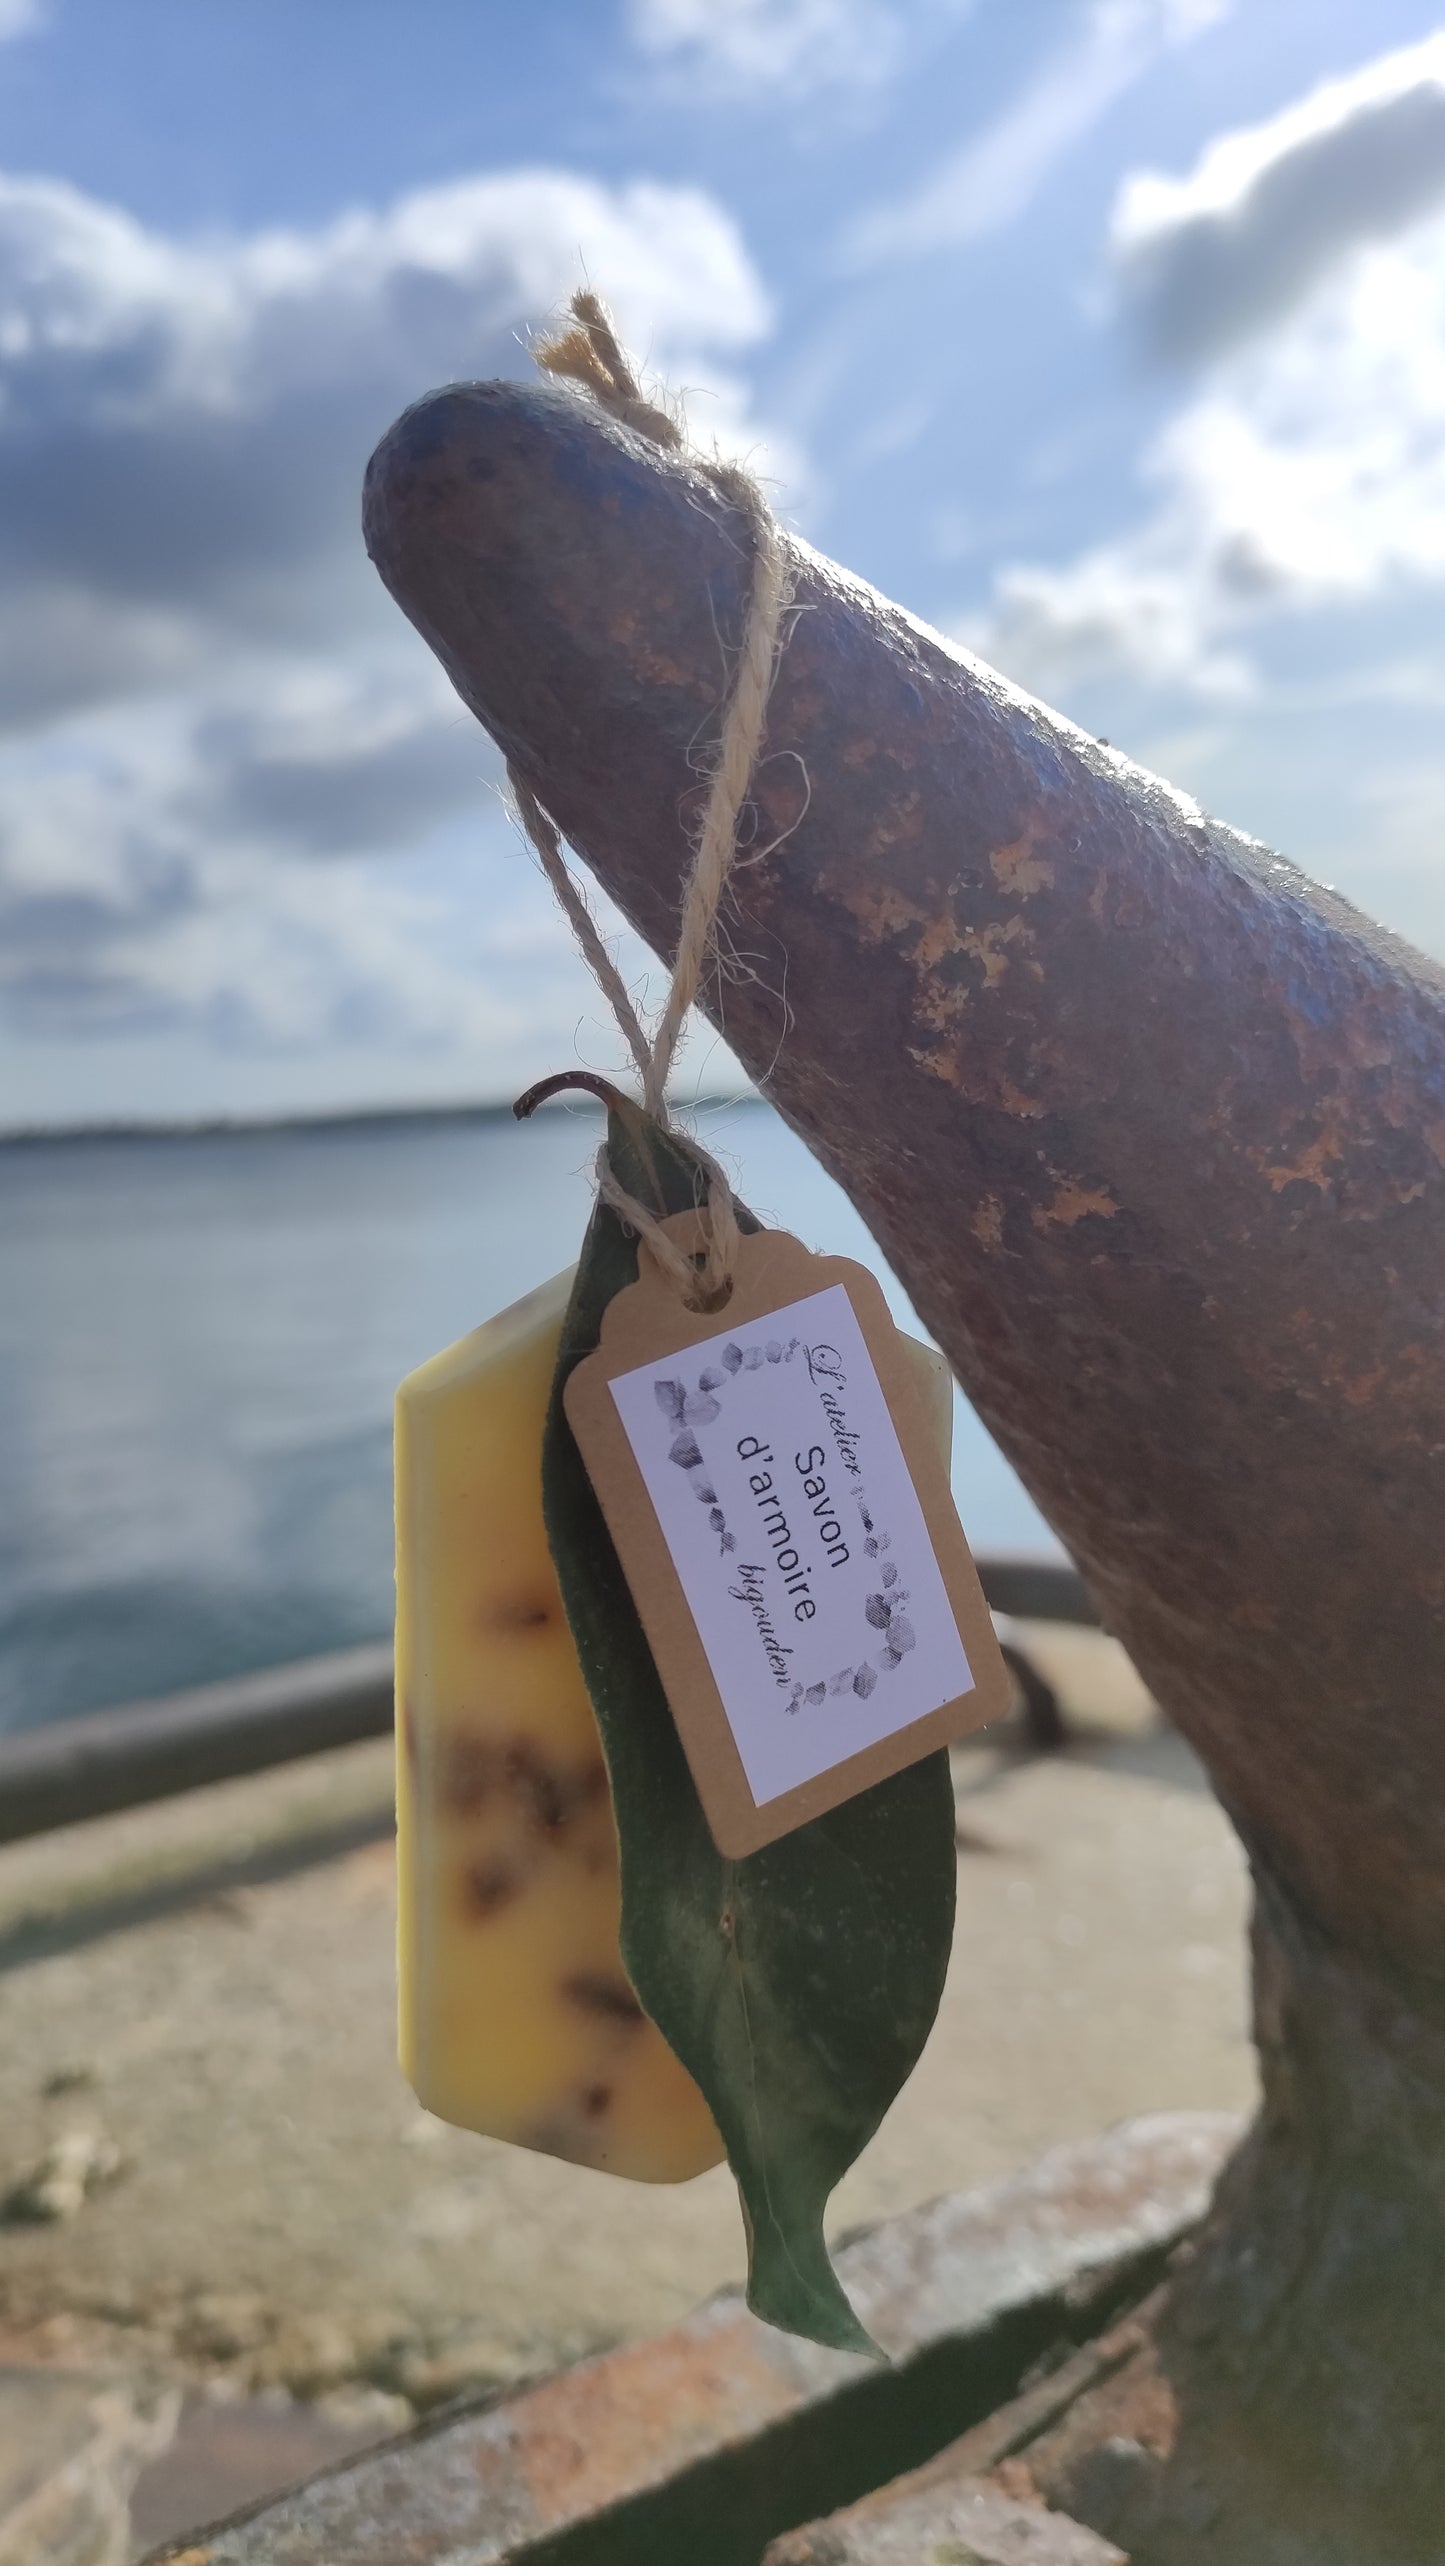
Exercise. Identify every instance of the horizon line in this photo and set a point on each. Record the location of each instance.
(338, 1118)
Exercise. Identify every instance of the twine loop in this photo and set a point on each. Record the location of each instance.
(591, 354)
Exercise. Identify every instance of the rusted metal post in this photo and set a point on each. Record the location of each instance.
(1154, 1131)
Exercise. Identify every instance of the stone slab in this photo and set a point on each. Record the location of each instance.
(229, 2453)
(72, 2443)
(209, 1986)
(710, 2439)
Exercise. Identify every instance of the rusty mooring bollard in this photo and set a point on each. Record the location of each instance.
(1153, 1129)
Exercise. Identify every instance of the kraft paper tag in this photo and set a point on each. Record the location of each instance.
(787, 1531)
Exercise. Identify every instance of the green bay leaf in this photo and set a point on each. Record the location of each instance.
(799, 1985)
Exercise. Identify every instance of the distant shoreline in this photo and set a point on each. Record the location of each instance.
(348, 1118)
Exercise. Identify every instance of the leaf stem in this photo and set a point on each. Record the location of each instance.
(546, 1088)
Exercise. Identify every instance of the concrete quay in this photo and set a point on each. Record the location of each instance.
(219, 2191)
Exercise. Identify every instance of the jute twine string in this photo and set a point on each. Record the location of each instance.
(591, 354)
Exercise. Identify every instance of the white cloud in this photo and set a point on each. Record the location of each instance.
(1207, 259)
(1309, 475)
(995, 175)
(202, 683)
(141, 901)
(183, 425)
(738, 47)
(139, 887)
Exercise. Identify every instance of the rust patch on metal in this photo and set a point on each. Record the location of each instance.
(990, 948)
(933, 936)
(1075, 1202)
(1318, 1162)
(1019, 869)
(593, 2435)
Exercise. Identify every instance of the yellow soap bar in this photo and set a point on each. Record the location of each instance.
(516, 2016)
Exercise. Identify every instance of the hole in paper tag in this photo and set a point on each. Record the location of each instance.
(785, 1525)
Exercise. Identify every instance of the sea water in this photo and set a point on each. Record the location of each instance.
(199, 1340)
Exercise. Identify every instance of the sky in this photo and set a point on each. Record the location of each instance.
(1106, 335)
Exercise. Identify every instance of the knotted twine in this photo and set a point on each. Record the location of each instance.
(592, 355)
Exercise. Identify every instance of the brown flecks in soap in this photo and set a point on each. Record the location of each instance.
(471, 1772)
(476, 1771)
(491, 1885)
(569, 2133)
(612, 1998)
(595, 2101)
(551, 1799)
(513, 1614)
(540, 1791)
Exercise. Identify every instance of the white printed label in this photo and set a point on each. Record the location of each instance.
(787, 1506)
